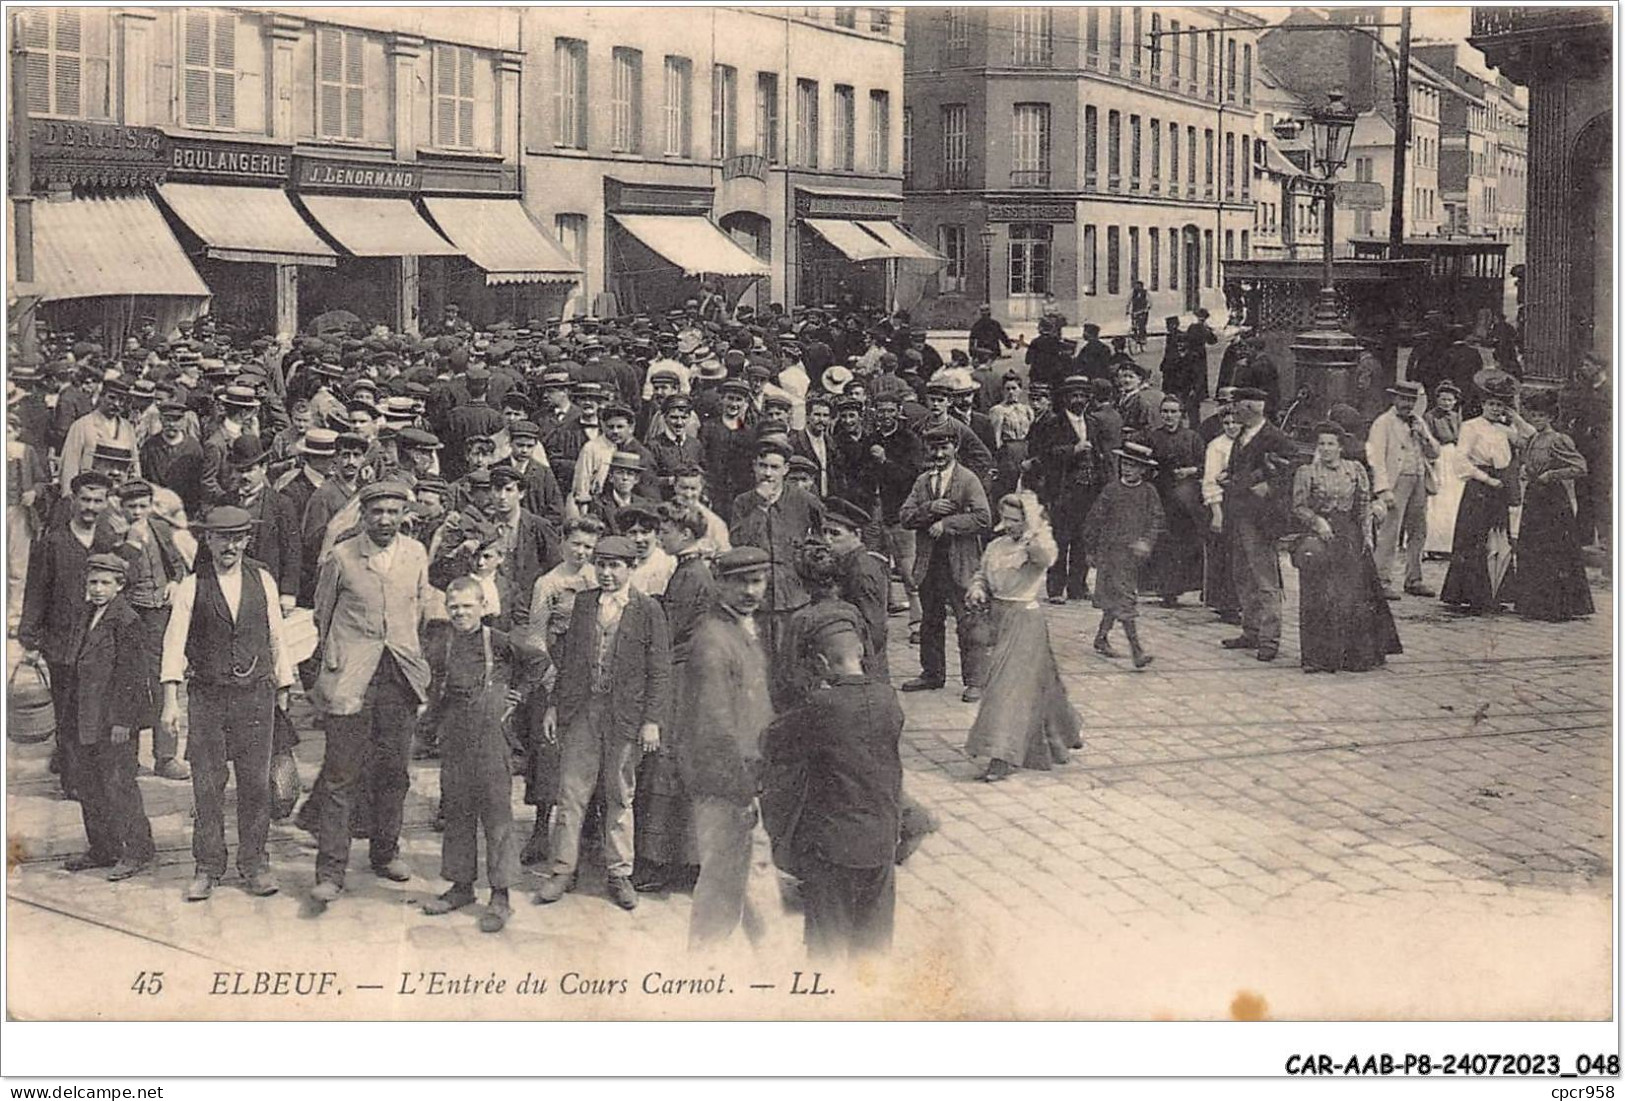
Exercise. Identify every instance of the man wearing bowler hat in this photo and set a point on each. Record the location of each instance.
(1401, 450)
(371, 597)
(238, 404)
(224, 639)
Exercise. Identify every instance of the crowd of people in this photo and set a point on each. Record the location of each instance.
(649, 565)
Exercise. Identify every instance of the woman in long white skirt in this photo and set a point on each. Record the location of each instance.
(1444, 421)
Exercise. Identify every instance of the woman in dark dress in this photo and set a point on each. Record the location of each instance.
(1175, 565)
(1551, 572)
(1343, 621)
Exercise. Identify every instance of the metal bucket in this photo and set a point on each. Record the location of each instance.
(32, 715)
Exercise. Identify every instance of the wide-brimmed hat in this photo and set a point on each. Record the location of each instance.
(1495, 383)
(318, 442)
(1137, 453)
(1406, 390)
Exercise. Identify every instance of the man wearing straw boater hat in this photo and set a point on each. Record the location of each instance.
(225, 640)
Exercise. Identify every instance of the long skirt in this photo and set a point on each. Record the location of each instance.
(1551, 572)
(1344, 624)
(1218, 588)
(1175, 565)
(1007, 468)
(1445, 504)
(1025, 717)
(1481, 554)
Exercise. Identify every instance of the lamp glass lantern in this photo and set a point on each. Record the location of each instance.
(1331, 133)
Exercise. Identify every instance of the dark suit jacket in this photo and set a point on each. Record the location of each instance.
(55, 590)
(1063, 474)
(1268, 459)
(639, 669)
(963, 528)
(277, 541)
(109, 670)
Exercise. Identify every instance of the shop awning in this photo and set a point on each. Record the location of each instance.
(118, 245)
(377, 227)
(692, 243)
(850, 239)
(902, 243)
(499, 236)
(250, 224)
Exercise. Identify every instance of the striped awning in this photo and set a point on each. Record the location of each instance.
(251, 224)
(499, 236)
(377, 227)
(113, 246)
(903, 243)
(693, 244)
(850, 239)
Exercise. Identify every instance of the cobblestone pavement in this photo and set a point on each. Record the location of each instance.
(1433, 839)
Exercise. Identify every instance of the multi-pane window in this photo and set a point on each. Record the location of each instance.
(1033, 39)
(951, 243)
(1030, 257)
(210, 62)
(953, 145)
(678, 106)
(1137, 47)
(1229, 165)
(1154, 251)
(1247, 77)
(956, 34)
(880, 20)
(908, 142)
(454, 97)
(846, 123)
(1207, 257)
(67, 61)
(1134, 152)
(807, 123)
(1091, 138)
(1174, 48)
(724, 111)
(1246, 246)
(1116, 38)
(1207, 158)
(1089, 263)
(1212, 63)
(1114, 148)
(1156, 48)
(1133, 255)
(1029, 159)
(570, 93)
(846, 17)
(1114, 244)
(626, 100)
(1173, 158)
(880, 131)
(1229, 244)
(1156, 152)
(340, 83)
(1173, 259)
(572, 233)
(1231, 71)
(1190, 159)
(767, 116)
(1091, 34)
(1245, 161)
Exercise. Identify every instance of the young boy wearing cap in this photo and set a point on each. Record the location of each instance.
(478, 677)
(224, 638)
(832, 790)
(620, 492)
(1119, 533)
(106, 698)
(611, 701)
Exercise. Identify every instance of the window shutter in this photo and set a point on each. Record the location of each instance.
(68, 43)
(465, 98)
(354, 84)
(445, 102)
(329, 43)
(225, 69)
(197, 68)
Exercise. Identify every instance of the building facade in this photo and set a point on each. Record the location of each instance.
(1564, 56)
(303, 160)
(730, 149)
(1512, 165)
(1055, 156)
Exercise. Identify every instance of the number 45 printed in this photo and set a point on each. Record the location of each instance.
(148, 982)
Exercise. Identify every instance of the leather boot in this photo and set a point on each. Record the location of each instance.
(1132, 630)
(535, 850)
(1103, 642)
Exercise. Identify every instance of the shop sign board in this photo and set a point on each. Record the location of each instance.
(371, 177)
(103, 154)
(1031, 210)
(228, 161)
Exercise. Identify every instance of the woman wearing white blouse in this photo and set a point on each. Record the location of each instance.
(1218, 590)
(1481, 548)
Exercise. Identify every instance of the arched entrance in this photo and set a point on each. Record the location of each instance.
(1591, 239)
(752, 232)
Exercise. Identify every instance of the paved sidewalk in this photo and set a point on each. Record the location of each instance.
(1433, 839)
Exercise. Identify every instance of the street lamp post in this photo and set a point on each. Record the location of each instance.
(1326, 355)
(987, 235)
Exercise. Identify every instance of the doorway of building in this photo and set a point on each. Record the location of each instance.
(1193, 269)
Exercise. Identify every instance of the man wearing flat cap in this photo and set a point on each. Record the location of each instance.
(106, 699)
(225, 640)
(540, 493)
(778, 518)
(722, 709)
(371, 597)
